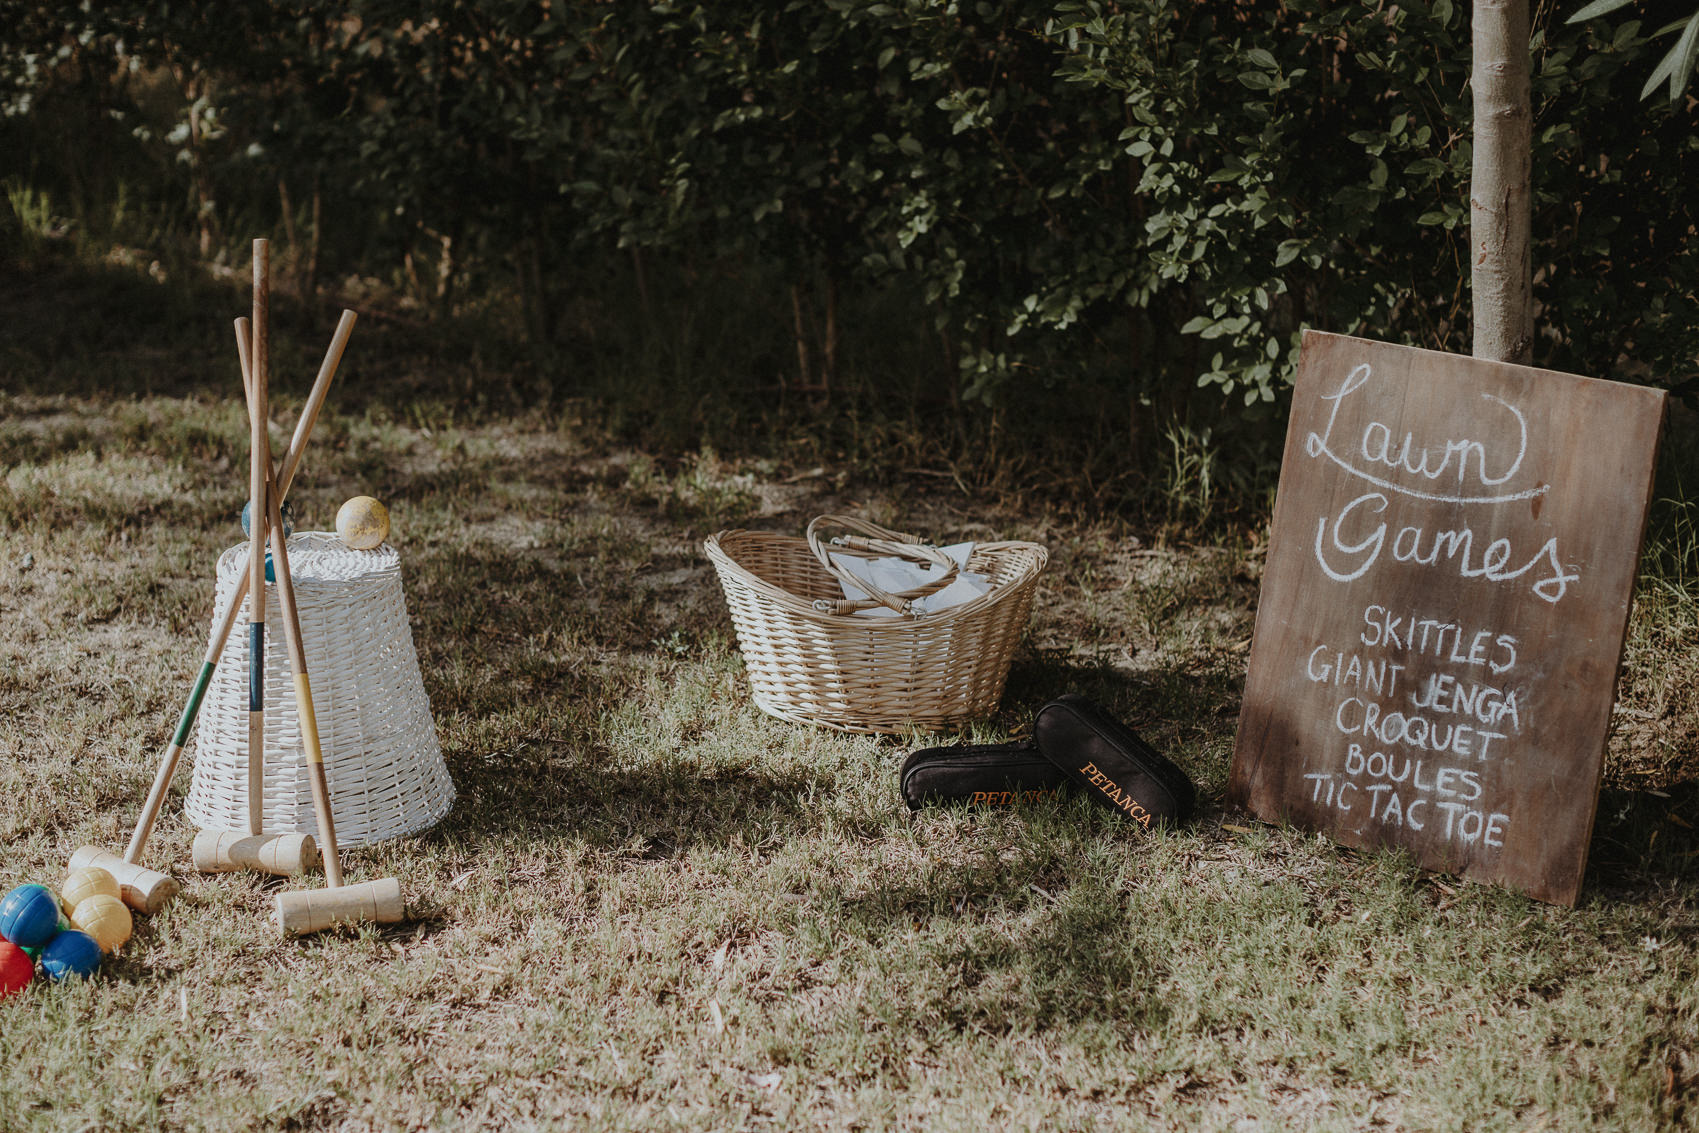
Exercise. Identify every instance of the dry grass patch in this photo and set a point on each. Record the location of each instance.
(653, 907)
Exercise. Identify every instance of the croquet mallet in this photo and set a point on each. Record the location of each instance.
(304, 912)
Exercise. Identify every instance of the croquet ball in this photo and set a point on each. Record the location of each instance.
(104, 918)
(287, 511)
(86, 882)
(16, 968)
(270, 574)
(29, 916)
(362, 523)
(70, 953)
(34, 951)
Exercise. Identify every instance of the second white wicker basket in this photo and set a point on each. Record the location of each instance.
(384, 766)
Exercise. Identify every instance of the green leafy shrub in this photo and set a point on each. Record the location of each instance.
(1148, 195)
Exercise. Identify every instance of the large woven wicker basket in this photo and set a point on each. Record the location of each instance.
(811, 661)
(381, 758)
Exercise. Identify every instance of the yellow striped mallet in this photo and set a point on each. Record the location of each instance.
(299, 913)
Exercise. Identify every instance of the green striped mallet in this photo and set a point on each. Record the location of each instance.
(286, 475)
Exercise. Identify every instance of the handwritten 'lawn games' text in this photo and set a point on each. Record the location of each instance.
(1424, 706)
(1456, 471)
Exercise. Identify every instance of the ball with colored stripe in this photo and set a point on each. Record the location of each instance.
(16, 969)
(107, 919)
(71, 953)
(29, 916)
(287, 511)
(89, 881)
(34, 952)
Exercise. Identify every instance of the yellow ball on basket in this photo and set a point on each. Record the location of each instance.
(362, 523)
(81, 884)
(104, 918)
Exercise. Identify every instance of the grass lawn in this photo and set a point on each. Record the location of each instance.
(653, 907)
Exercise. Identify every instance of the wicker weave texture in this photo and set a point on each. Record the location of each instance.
(860, 674)
(381, 757)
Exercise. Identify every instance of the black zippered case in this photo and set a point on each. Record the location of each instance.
(995, 775)
(1111, 762)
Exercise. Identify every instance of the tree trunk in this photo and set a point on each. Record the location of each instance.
(804, 378)
(641, 274)
(287, 208)
(310, 266)
(829, 345)
(1498, 185)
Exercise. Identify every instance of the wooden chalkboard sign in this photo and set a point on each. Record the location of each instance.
(1449, 573)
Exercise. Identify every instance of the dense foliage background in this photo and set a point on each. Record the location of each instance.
(1102, 202)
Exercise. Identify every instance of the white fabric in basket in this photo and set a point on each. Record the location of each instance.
(893, 575)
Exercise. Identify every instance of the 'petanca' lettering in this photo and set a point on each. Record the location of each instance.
(1010, 798)
(1122, 800)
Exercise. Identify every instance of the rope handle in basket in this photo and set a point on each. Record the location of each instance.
(874, 541)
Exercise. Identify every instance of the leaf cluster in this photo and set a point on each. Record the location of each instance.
(1178, 186)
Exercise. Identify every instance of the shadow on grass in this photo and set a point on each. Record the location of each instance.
(67, 324)
(657, 810)
(1040, 933)
(530, 656)
(110, 332)
(1189, 714)
(1643, 839)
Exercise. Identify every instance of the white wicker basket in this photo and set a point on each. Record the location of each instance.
(381, 758)
(811, 660)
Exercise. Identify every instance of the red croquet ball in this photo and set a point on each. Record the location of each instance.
(16, 969)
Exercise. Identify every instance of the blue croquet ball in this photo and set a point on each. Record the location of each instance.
(71, 953)
(29, 916)
(288, 511)
(270, 574)
(35, 952)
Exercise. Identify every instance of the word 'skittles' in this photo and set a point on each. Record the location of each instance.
(1407, 633)
(1114, 794)
(1357, 540)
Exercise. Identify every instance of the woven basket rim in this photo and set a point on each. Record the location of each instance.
(715, 548)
